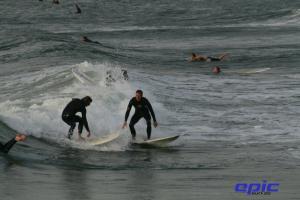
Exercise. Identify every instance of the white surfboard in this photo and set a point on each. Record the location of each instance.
(157, 141)
(254, 71)
(82, 77)
(102, 140)
(248, 71)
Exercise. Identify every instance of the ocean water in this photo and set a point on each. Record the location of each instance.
(235, 127)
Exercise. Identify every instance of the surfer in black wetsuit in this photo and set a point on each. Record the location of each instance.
(86, 39)
(207, 58)
(69, 115)
(125, 74)
(78, 10)
(142, 108)
(6, 147)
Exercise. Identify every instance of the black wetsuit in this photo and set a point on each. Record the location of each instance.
(78, 9)
(90, 41)
(142, 109)
(211, 59)
(69, 115)
(6, 147)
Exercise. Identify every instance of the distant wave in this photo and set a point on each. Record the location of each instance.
(282, 18)
(124, 29)
(292, 19)
(294, 76)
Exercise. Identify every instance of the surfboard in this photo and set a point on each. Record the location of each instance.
(102, 140)
(254, 71)
(82, 77)
(248, 71)
(157, 141)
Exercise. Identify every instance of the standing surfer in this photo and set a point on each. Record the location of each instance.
(69, 115)
(143, 109)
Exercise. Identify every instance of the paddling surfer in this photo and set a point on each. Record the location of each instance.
(207, 58)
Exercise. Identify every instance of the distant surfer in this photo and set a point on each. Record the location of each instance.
(86, 39)
(7, 146)
(55, 1)
(125, 74)
(143, 109)
(69, 115)
(195, 58)
(216, 70)
(109, 78)
(78, 10)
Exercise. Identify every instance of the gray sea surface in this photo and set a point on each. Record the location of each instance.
(240, 126)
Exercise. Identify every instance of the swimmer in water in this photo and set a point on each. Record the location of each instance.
(216, 70)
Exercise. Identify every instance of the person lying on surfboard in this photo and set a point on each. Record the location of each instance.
(7, 146)
(86, 39)
(207, 58)
(69, 115)
(142, 108)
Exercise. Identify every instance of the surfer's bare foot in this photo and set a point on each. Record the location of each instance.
(223, 56)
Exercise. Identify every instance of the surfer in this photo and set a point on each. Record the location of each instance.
(207, 58)
(6, 147)
(55, 1)
(78, 9)
(142, 108)
(86, 39)
(69, 115)
(109, 80)
(125, 74)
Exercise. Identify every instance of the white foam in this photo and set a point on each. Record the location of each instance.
(40, 115)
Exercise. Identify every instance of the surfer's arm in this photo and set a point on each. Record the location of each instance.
(85, 123)
(127, 113)
(5, 148)
(151, 110)
(128, 110)
(1, 147)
